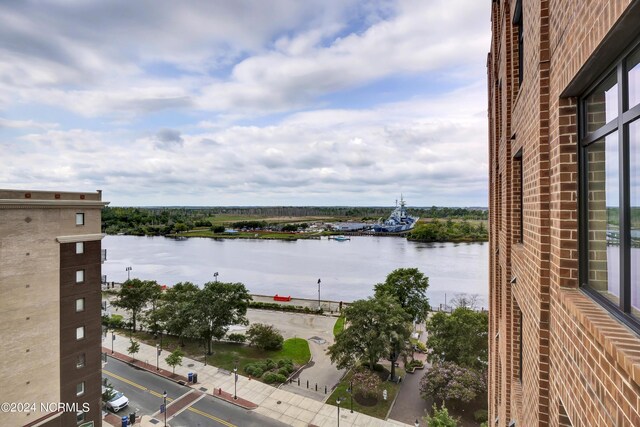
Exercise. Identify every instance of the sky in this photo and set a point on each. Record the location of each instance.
(247, 102)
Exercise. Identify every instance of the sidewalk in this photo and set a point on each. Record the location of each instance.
(282, 405)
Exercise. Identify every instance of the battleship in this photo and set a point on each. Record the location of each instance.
(398, 222)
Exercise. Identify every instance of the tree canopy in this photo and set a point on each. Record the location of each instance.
(459, 337)
(218, 306)
(375, 326)
(178, 307)
(135, 294)
(408, 286)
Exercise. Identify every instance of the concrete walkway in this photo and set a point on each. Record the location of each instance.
(282, 405)
(409, 405)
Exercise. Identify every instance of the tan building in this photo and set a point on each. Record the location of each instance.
(564, 131)
(50, 333)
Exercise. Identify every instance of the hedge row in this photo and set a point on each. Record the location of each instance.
(282, 307)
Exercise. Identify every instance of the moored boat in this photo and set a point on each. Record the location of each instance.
(398, 221)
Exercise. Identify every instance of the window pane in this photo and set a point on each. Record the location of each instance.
(79, 219)
(603, 216)
(602, 104)
(80, 332)
(80, 247)
(80, 389)
(80, 361)
(79, 276)
(634, 193)
(80, 304)
(633, 65)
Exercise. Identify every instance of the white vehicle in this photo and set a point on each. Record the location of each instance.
(118, 401)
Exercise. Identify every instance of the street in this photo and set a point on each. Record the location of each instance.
(145, 389)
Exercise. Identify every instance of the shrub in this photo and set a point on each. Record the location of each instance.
(416, 363)
(366, 383)
(272, 377)
(284, 371)
(421, 346)
(265, 337)
(481, 415)
(448, 381)
(441, 418)
(218, 228)
(271, 364)
(237, 338)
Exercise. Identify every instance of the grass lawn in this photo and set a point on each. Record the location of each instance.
(224, 353)
(339, 326)
(379, 410)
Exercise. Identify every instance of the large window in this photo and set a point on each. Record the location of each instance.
(610, 189)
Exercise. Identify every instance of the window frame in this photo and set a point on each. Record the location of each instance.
(82, 273)
(81, 360)
(619, 125)
(518, 21)
(80, 388)
(82, 300)
(78, 329)
(80, 218)
(79, 248)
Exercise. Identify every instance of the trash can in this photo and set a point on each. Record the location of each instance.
(195, 378)
(132, 418)
(190, 377)
(125, 421)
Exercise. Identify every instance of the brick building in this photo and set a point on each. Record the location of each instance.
(50, 329)
(564, 147)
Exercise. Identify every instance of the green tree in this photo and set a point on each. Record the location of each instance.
(408, 286)
(174, 359)
(108, 393)
(440, 418)
(217, 306)
(134, 295)
(133, 348)
(459, 337)
(178, 307)
(265, 337)
(374, 324)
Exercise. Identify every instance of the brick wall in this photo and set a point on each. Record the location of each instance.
(579, 366)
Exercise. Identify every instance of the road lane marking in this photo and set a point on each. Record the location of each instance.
(190, 408)
(134, 384)
(212, 417)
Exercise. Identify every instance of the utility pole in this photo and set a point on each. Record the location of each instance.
(319, 307)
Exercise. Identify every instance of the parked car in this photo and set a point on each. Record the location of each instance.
(118, 401)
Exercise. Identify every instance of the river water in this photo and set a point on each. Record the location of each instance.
(348, 270)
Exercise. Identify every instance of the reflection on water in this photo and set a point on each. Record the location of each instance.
(348, 270)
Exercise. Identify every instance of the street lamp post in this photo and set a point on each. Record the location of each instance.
(164, 397)
(338, 401)
(319, 294)
(351, 395)
(128, 269)
(235, 379)
(158, 351)
(113, 338)
(215, 276)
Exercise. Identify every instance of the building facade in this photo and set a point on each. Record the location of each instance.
(50, 300)
(564, 148)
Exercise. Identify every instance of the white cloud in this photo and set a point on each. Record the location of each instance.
(231, 102)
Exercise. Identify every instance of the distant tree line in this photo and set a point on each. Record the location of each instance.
(449, 231)
(157, 221)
